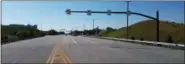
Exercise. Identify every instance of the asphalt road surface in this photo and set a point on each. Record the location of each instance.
(81, 49)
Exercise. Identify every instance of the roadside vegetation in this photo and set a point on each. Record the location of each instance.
(15, 32)
(90, 32)
(170, 32)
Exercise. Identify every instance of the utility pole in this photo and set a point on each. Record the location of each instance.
(97, 31)
(83, 29)
(157, 28)
(93, 26)
(93, 23)
(40, 25)
(127, 36)
(184, 25)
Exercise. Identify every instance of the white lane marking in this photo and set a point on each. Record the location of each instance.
(74, 41)
(86, 40)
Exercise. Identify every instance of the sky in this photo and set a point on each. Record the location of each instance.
(51, 14)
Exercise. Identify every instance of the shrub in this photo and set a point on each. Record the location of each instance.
(169, 39)
(12, 38)
(141, 38)
(52, 32)
(133, 38)
(4, 38)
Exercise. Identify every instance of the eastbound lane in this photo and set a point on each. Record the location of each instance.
(80, 49)
(93, 50)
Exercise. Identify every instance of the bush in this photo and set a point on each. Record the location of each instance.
(169, 39)
(4, 38)
(52, 32)
(43, 34)
(141, 38)
(133, 38)
(12, 38)
(14, 32)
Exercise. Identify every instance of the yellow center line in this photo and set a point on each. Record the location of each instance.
(50, 56)
(64, 60)
(58, 51)
(53, 56)
(66, 57)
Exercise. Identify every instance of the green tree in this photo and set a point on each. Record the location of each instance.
(52, 32)
(22, 34)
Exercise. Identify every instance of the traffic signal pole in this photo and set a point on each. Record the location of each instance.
(157, 28)
(127, 19)
(128, 12)
(93, 24)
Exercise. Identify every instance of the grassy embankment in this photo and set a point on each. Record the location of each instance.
(147, 30)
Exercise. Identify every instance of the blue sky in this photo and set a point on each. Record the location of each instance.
(51, 14)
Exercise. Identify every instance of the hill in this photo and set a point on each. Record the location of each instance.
(147, 30)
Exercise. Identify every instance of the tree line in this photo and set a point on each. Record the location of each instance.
(89, 32)
(15, 32)
(108, 30)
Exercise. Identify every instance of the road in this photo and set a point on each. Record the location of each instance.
(81, 49)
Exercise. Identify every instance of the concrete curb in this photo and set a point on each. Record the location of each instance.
(153, 43)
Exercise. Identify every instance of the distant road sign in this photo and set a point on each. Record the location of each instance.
(89, 12)
(68, 11)
(108, 12)
(128, 12)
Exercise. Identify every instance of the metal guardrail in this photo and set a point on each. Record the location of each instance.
(148, 42)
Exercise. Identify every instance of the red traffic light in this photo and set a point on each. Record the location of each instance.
(68, 11)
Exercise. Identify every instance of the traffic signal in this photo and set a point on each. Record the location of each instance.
(68, 11)
(108, 12)
(128, 12)
(89, 12)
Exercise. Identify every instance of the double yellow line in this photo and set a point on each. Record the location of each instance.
(58, 53)
(51, 55)
(66, 58)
